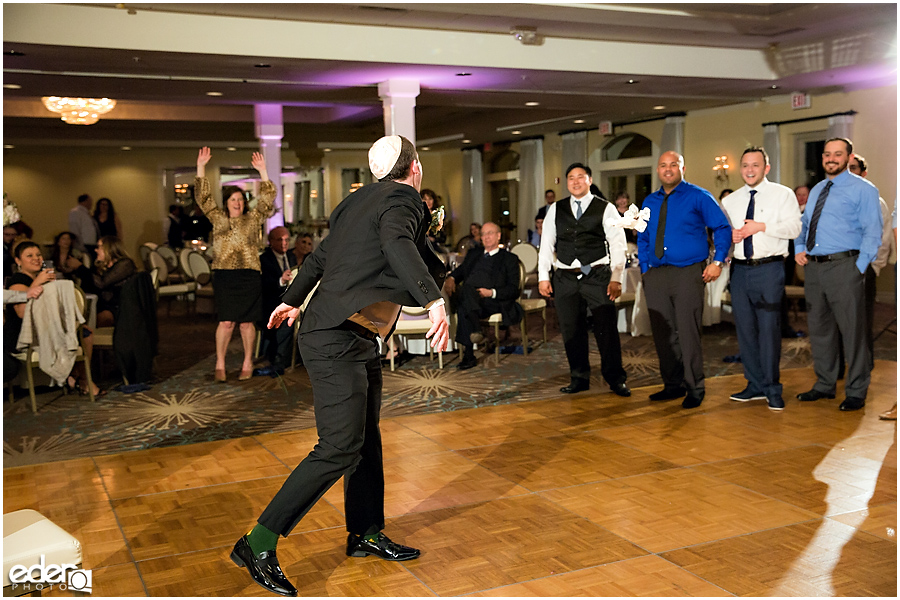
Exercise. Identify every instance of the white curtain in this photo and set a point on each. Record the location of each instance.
(574, 148)
(772, 144)
(531, 185)
(673, 136)
(473, 184)
(840, 126)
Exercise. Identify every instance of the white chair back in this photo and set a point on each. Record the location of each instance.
(145, 251)
(154, 278)
(169, 255)
(158, 262)
(199, 268)
(528, 254)
(185, 264)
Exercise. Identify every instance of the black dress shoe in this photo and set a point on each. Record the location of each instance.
(692, 401)
(853, 403)
(577, 385)
(263, 568)
(669, 394)
(383, 547)
(467, 362)
(813, 395)
(621, 389)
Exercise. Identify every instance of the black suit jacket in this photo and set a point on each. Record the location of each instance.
(376, 251)
(504, 278)
(271, 276)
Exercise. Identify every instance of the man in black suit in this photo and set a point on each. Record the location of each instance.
(587, 275)
(275, 265)
(489, 284)
(373, 261)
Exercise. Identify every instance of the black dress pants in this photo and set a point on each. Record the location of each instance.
(675, 303)
(574, 294)
(277, 344)
(756, 293)
(470, 308)
(345, 372)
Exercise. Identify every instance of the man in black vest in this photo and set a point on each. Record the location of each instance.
(373, 261)
(589, 265)
(489, 284)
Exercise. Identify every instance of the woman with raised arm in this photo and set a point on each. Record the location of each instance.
(236, 270)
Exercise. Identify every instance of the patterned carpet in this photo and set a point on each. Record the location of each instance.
(185, 406)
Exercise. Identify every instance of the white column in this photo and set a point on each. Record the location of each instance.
(270, 130)
(772, 144)
(399, 98)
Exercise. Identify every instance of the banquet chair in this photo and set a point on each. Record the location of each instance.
(181, 290)
(184, 264)
(30, 355)
(528, 254)
(172, 263)
(418, 327)
(529, 306)
(145, 250)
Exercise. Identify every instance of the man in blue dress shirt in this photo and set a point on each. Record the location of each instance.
(673, 251)
(840, 236)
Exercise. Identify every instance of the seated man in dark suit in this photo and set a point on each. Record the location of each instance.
(276, 264)
(489, 283)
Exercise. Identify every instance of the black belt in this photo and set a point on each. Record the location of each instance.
(358, 329)
(830, 257)
(755, 262)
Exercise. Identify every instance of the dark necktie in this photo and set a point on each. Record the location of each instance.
(748, 241)
(814, 221)
(661, 227)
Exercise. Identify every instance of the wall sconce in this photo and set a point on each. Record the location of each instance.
(721, 168)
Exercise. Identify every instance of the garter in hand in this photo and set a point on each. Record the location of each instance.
(634, 218)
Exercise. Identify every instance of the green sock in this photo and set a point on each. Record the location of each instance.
(372, 537)
(261, 539)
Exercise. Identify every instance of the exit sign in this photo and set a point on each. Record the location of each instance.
(800, 100)
(606, 127)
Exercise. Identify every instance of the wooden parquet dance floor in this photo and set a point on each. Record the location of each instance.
(591, 495)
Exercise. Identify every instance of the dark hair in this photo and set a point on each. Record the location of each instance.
(55, 250)
(113, 248)
(175, 207)
(408, 156)
(305, 234)
(847, 142)
(863, 165)
(759, 149)
(112, 210)
(585, 168)
(430, 192)
(549, 192)
(227, 192)
(83, 197)
(725, 192)
(623, 194)
(23, 246)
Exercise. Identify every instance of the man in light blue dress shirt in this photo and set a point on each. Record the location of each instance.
(840, 235)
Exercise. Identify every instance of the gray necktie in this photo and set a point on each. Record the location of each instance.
(578, 212)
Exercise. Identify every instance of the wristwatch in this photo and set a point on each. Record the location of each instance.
(719, 264)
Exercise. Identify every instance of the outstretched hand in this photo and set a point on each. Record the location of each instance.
(202, 158)
(440, 328)
(283, 311)
(259, 163)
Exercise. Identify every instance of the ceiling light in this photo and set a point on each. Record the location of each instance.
(659, 107)
(12, 86)
(326, 149)
(467, 141)
(231, 148)
(13, 53)
(463, 74)
(632, 81)
(532, 103)
(425, 148)
(126, 147)
(517, 132)
(578, 121)
(263, 66)
(79, 111)
(8, 146)
(774, 87)
(213, 93)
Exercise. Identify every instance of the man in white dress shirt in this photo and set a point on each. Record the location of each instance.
(588, 270)
(763, 216)
(83, 225)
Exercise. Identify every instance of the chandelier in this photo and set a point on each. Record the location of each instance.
(79, 111)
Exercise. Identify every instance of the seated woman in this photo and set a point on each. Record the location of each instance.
(32, 275)
(113, 267)
(67, 259)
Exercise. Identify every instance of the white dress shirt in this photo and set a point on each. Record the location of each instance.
(83, 225)
(615, 237)
(776, 206)
(285, 266)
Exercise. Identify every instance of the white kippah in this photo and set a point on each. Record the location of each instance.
(383, 155)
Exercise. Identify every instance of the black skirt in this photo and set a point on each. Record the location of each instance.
(238, 295)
